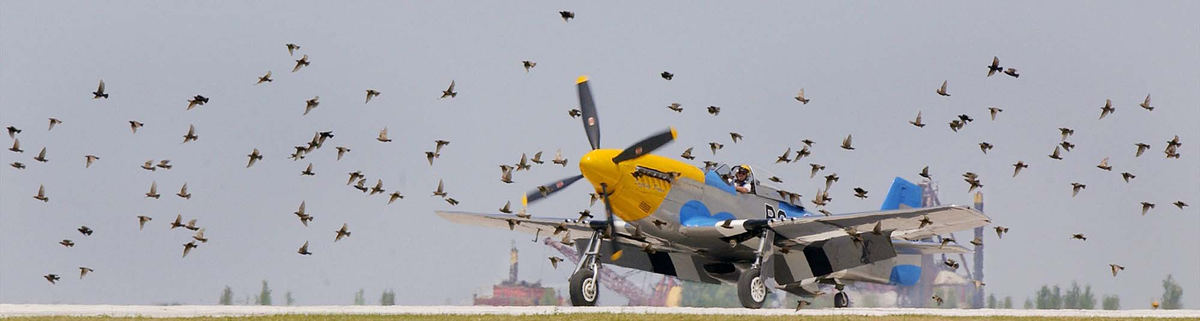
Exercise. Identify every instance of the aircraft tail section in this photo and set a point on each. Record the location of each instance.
(903, 194)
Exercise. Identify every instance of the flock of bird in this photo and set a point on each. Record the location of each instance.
(359, 181)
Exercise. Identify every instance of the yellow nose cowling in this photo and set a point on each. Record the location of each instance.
(597, 167)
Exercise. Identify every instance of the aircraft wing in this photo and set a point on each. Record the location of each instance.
(533, 225)
(904, 223)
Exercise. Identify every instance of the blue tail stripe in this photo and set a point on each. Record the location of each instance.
(903, 193)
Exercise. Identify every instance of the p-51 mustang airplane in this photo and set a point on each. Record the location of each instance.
(691, 223)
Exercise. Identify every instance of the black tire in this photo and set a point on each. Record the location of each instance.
(841, 300)
(579, 294)
(751, 285)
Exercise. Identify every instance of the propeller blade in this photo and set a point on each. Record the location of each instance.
(591, 122)
(545, 190)
(646, 146)
(610, 231)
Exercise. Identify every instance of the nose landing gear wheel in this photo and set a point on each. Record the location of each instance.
(752, 289)
(584, 288)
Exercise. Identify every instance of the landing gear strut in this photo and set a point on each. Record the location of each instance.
(752, 285)
(585, 282)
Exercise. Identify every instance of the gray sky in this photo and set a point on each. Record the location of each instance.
(867, 68)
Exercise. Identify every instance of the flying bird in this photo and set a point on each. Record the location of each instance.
(291, 47)
(1056, 154)
(187, 247)
(687, 154)
(440, 191)
(164, 164)
(1115, 268)
(197, 100)
(715, 146)
(1076, 187)
(800, 97)
(254, 157)
(994, 67)
(956, 124)
(53, 121)
(566, 15)
(675, 107)
(304, 249)
(17, 165)
(1180, 204)
(815, 168)
(142, 219)
(134, 125)
(41, 156)
(846, 143)
(371, 93)
(378, 188)
(12, 131)
(383, 136)
(1146, 206)
(1079, 236)
(924, 172)
(430, 156)
(993, 111)
(311, 103)
(506, 173)
(735, 137)
(1066, 132)
(784, 158)
(1012, 72)
(308, 171)
(942, 90)
(41, 194)
(1000, 230)
(303, 62)
(1128, 176)
(1104, 165)
(342, 150)
(714, 110)
(554, 261)
(265, 78)
(558, 158)
(859, 192)
(803, 152)
(342, 233)
(191, 134)
(1107, 109)
(304, 216)
(917, 122)
(89, 159)
(528, 65)
(394, 196)
(1018, 166)
(449, 92)
(1141, 148)
(183, 192)
(667, 75)
(99, 93)
(67, 243)
(985, 146)
(83, 271)
(199, 236)
(52, 278)
(1146, 104)
(153, 190)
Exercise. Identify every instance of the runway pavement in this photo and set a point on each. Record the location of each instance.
(11, 310)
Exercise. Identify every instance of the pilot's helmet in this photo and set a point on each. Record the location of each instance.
(741, 169)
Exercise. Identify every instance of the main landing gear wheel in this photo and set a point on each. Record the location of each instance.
(841, 300)
(584, 288)
(752, 289)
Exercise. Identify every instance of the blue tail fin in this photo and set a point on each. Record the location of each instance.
(903, 194)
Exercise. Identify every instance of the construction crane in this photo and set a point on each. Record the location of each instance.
(620, 284)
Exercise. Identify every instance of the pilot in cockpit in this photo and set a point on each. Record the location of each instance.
(741, 179)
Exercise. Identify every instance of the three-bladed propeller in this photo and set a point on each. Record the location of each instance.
(591, 127)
